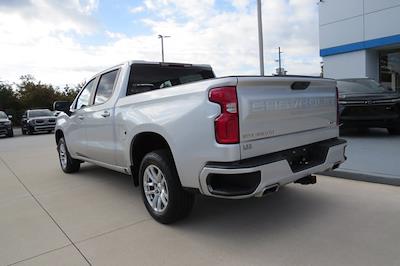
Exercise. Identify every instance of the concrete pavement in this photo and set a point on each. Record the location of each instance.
(372, 155)
(97, 217)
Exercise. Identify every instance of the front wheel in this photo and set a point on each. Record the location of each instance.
(68, 164)
(162, 192)
(10, 133)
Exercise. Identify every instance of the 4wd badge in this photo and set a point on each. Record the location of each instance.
(247, 146)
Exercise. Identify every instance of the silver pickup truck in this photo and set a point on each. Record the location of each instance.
(179, 131)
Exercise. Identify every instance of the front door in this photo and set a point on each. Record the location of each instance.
(76, 137)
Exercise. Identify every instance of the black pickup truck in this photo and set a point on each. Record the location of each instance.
(364, 103)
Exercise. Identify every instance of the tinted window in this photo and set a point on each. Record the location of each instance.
(145, 77)
(105, 87)
(38, 113)
(84, 97)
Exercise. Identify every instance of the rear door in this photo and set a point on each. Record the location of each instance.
(99, 120)
(279, 113)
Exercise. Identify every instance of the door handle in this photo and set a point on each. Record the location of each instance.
(105, 114)
(81, 117)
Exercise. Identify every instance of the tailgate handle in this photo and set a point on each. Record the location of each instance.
(300, 85)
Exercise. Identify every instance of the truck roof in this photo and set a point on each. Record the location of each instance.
(131, 62)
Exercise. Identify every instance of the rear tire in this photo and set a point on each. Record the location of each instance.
(394, 130)
(162, 192)
(67, 163)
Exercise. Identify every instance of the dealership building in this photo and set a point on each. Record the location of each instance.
(361, 39)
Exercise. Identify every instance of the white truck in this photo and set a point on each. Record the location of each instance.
(179, 131)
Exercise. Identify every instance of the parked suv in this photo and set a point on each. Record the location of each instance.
(39, 120)
(6, 125)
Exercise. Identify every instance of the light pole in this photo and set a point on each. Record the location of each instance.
(280, 60)
(162, 44)
(279, 71)
(260, 38)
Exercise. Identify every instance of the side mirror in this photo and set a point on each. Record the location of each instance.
(23, 116)
(62, 106)
(10, 117)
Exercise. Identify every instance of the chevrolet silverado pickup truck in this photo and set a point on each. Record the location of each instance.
(178, 131)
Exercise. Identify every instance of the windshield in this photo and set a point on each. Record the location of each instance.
(38, 113)
(3, 115)
(360, 86)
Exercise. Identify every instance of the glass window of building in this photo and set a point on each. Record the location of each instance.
(389, 69)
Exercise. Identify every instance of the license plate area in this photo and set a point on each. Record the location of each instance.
(305, 157)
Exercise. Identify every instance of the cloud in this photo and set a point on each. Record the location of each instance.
(240, 4)
(229, 40)
(137, 9)
(115, 35)
(87, 6)
(43, 38)
(36, 38)
(10, 4)
(172, 9)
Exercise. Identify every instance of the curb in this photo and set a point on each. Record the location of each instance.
(366, 177)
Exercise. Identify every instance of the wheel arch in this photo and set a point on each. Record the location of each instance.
(58, 135)
(143, 143)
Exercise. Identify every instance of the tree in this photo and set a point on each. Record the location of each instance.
(30, 94)
(68, 93)
(34, 94)
(8, 98)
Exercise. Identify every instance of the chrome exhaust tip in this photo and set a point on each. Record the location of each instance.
(269, 190)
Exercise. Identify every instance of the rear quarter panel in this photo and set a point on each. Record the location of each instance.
(184, 117)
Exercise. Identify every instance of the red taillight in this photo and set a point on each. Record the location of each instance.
(337, 107)
(227, 123)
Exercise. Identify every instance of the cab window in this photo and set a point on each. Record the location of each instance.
(84, 97)
(105, 87)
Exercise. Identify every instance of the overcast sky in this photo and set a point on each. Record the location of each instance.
(67, 41)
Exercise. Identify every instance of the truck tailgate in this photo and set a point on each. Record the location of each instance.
(277, 113)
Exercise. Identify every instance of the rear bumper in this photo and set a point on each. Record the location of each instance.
(256, 174)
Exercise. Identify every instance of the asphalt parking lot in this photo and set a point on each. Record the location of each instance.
(97, 217)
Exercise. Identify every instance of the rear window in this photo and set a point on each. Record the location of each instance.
(145, 77)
